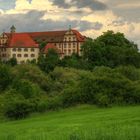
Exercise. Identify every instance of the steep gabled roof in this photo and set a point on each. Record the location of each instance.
(21, 40)
(79, 36)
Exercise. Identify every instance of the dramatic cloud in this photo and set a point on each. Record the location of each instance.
(34, 22)
(128, 9)
(91, 17)
(92, 4)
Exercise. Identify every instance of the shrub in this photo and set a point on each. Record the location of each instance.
(130, 72)
(18, 110)
(5, 77)
(102, 100)
(70, 97)
(54, 103)
(33, 74)
(26, 88)
(106, 87)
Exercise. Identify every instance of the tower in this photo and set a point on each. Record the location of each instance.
(69, 27)
(13, 29)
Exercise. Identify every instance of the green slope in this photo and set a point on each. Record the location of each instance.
(79, 123)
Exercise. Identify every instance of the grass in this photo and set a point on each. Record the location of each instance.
(78, 123)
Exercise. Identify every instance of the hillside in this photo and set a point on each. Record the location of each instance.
(79, 123)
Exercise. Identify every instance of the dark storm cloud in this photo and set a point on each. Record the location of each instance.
(32, 22)
(92, 4)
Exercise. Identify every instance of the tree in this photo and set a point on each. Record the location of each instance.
(5, 77)
(12, 61)
(48, 62)
(111, 49)
(42, 45)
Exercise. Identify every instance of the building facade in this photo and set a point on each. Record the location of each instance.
(25, 46)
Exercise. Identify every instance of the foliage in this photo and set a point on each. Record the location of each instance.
(106, 74)
(42, 45)
(26, 88)
(111, 49)
(12, 62)
(5, 77)
(48, 62)
(18, 110)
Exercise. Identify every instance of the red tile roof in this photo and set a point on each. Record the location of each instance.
(28, 39)
(48, 33)
(56, 34)
(50, 46)
(21, 40)
(79, 36)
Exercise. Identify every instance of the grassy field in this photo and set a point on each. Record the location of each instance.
(79, 123)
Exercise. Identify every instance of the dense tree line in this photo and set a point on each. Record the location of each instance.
(106, 74)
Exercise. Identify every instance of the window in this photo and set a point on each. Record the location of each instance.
(32, 49)
(32, 55)
(4, 49)
(25, 55)
(14, 55)
(69, 51)
(74, 51)
(69, 38)
(69, 45)
(65, 45)
(19, 49)
(3, 55)
(18, 55)
(14, 49)
(26, 50)
(74, 43)
(74, 39)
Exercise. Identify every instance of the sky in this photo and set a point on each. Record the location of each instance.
(90, 17)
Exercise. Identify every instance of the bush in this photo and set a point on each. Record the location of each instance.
(106, 87)
(26, 88)
(5, 77)
(54, 103)
(70, 97)
(18, 110)
(130, 72)
(102, 100)
(33, 74)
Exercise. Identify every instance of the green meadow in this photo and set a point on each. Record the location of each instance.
(78, 123)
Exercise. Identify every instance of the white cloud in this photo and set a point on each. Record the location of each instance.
(107, 18)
